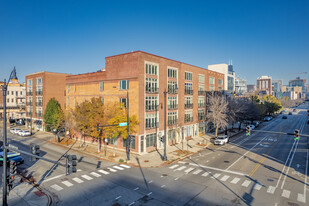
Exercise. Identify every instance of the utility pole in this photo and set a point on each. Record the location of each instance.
(4, 176)
(165, 138)
(128, 138)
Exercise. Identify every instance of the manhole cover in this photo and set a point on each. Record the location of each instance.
(226, 161)
(164, 175)
(39, 193)
(270, 180)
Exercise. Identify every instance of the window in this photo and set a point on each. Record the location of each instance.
(101, 86)
(211, 80)
(201, 101)
(151, 140)
(220, 81)
(201, 89)
(151, 103)
(188, 76)
(151, 121)
(74, 101)
(8, 92)
(172, 118)
(171, 134)
(123, 102)
(39, 81)
(29, 82)
(68, 88)
(39, 111)
(220, 88)
(39, 90)
(12, 92)
(123, 84)
(188, 131)
(151, 85)
(151, 69)
(132, 142)
(172, 73)
(102, 100)
(172, 87)
(16, 93)
(68, 101)
(201, 114)
(12, 100)
(21, 93)
(188, 88)
(39, 101)
(8, 100)
(201, 78)
(172, 103)
(211, 88)
(74, 87)
(188, 116)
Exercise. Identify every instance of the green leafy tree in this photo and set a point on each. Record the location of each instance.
(53, 116)
(272, 104)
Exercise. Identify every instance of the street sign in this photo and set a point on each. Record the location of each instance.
(123, 124)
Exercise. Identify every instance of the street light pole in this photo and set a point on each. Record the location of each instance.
(4, 176)
(128, 138)
(165, 138)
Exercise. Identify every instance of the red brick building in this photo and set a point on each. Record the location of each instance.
(146, 76)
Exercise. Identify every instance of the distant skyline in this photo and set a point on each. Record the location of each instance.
(74, 36)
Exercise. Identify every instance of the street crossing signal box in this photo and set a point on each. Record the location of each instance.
(247, 130)
(296, 134)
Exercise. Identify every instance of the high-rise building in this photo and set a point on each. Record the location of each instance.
(277, 88)
(145, 77)
(264, 85)
(299, 83)
(240, 86)
(251, 88)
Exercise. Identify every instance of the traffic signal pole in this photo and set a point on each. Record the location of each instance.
(165, 138)
(4, 176)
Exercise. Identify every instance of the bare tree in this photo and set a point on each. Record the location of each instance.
(237, 109)
(218, 109)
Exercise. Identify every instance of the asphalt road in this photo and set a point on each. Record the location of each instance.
(261, 169)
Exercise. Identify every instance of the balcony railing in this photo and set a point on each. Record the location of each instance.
(188, 119)
(188, 106)
(39, 92)
(201, 105)
(172, 91)
(29, 93)
(29, 103)
(151, 125)
(151, 107)
(172, 121)
(38, 114)
(152, 90)
(189, 91)
(29, 113)
(39, 103)
(201, 92)
(201, 117)
(172, 106)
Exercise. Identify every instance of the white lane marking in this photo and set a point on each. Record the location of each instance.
(125, 166)
(67, 183)
(215, 176)
(95, 174)
(52, 178)
(76, 179)
(257, 186)
(246, 183)
(271, 189)
(118, 168)
(173, 167)
(217, 169)
(79, 170)
(197, 172)
(235, 180)
(224, 178)
(189, 170)
(301, 198)
(132, 203)
(176, 178)
(150, 181)
(104, 172)
(306, 175)
(136, 188)
(149, 193)
(117, 197)
(286, 193)
(205, 174)
(162, 186)
(56, 187)
(87, 177)
(246, 153)
(181, 168)
(181, 162)
(112, 170)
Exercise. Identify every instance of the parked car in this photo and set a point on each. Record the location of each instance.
(282, 112)
(251, 126)
(267, 118)
(290, 113)
(256, 123)
(221, 140)
(284, 117)
(25, 133)
(12, 130)
(15, 130)
(294, 110)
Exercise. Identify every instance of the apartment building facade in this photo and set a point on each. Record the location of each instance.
(145, 77)
(40, 88)
(264, 85)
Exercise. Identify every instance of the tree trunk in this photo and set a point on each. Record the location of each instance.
(114, 154)
(216, 134)
(99, 144)
(239, 126)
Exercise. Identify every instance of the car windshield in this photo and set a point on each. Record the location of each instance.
(220, 137)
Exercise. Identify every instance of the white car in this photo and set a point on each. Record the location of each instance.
(12, 130)
(221, 140)
(25, 133)
(16, 131)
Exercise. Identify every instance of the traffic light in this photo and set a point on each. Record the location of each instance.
(11, 176)
(98, 127)
(71, 164)
(162, 139)
(35, 150)
(247, 130)
(296, 134)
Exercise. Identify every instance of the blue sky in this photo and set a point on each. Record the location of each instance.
(75, 36)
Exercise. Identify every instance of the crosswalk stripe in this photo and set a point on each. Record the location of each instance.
(125, 166)
(104, 172)
(235, 180)
(271, 189)
(205, 174)
(257, 186)
(112, 170)
(189, 170)
(56, 187)
(76, 179)
(118, 168)
(67, 183)
(87, 177)
(301, 198)
(95, 174)
(224, 178)
(197, 172)
(286, 193)
(246, 183)
(215, 176)
(173, 167)
(181, 168)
